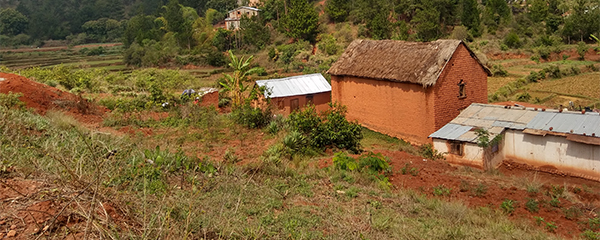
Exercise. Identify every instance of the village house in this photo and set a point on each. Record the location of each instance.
(292, 93)
(407, 89)
(232, 22)
(549, 139)
(209, 97)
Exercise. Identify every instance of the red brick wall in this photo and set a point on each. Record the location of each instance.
(210, 99)
(407, 110)
(447, 103)
(403, 110)
(320, 100)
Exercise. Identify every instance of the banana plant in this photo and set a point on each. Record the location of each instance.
(236, 85)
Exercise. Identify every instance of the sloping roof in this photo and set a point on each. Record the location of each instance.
(245, 7)
(397, 61)
(496, 119)
(294, 86)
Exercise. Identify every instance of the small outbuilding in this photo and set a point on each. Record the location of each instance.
(407, 89)
(550, 139)
(292, 93)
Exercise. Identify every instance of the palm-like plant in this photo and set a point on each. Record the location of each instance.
(235, 84)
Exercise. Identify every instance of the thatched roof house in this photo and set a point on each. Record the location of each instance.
(408, 89)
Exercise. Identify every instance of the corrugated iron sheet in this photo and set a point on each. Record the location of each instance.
(496, 119)
(294, 86)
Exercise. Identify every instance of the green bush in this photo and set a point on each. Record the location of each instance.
(508, 206)
(374, 163)
(498, 71)
(441, 191)
(330, 129)
(532, 205)
(544, 52)
(582, 48)
(342, 161)
(251, 117)
(512, 40)
(427, 151)
(11, 100)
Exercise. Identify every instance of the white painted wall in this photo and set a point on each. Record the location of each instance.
(472, 154)
(553, 150)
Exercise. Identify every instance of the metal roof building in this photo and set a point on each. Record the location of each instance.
(495, 119)
(294, 86)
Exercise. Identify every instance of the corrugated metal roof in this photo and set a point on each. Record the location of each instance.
(496, 119)
(294, 86)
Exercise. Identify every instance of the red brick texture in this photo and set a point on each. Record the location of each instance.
(320, 100)
(407, 110)
(210, 99)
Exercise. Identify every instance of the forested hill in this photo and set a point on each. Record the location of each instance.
(59, 19)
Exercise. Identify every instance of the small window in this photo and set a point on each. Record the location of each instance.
(280, 104)
(456, 148)
(461, 89)
(309, 99)
(294, 105)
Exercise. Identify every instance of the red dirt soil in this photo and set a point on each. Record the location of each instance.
(508, 184)
(42, 98)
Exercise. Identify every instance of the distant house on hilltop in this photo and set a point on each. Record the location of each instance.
(232, 22)
(407, 89)
(548, 139)
(292, 93)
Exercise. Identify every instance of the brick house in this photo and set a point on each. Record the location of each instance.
(407, 89)
(292, 93)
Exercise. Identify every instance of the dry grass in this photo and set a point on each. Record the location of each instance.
(585, 85)
(495, 83)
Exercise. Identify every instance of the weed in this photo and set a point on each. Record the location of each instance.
(593, 224)
(376, 204)
(539, 220)
(230, 156)
(590, 235)
(11, 100)
(441, 190)
(480, 190)
(427, 151)
(532, 205)
(508, 206)
(556, 191)
(414, 171)
(551, 227)
(352, 192)
(555, 202)
(464, 186)
(573, 213)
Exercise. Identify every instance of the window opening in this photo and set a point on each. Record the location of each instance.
(309, 99)
(456, 148)
(461, 89)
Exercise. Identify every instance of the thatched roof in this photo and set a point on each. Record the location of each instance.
(397, 61)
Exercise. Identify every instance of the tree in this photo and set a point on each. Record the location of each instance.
(470, 17)
(427, 25)
(12, 22)
(337, 10)
(235, 85)
(302, 20)
(538, 11)
(254, 33)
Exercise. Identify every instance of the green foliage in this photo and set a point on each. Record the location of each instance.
(551, 226)
(590, 235)
(427, 151)
(573, 213)
(254, 32)
(512, 40)
(236, 85)
(582, 48)
(12, 22)
(441, 190)
(301, 21)
(470, 17)
(337, 10)
(427, 24)
(532, 205)
(593, 224)
(330, 129)
(480, 190)
(251, 117)
(499, 71)
(11, 100)
(344, 162)
(483, 138)
(508, 206)
(328, 45)
(555, 202)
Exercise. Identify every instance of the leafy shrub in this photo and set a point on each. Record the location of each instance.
(535, 58)
(532, 205)
(328, 45)
(251, 117)
(573, 213)
(508, 206)
(374, 163)
(480, 190)
(551, 226)
(441, 190)
(344, 162)
(523, 97)
(590, 235)
(593, 224)
(555, 202)
(498, 71)
(512, 40)
(11, 100)
(582, 48)
(544, 52)
(533, 77)
(427, 151)
(331, 129)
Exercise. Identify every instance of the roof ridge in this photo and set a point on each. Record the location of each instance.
(289, 78)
